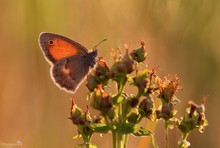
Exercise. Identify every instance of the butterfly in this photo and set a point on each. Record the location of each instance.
(70, 61)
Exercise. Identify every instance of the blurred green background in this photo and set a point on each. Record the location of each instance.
(182, 37)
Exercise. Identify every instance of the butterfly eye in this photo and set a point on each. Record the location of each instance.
(50, 42)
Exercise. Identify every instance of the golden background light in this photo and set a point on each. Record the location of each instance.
(182, 37)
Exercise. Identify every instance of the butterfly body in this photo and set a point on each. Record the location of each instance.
(70, 61)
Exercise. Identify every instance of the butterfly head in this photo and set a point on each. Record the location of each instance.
(91, 58)
(93, 54)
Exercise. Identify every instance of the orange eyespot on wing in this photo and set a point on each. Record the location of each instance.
(56, 47)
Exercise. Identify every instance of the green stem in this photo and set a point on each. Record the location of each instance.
(87, 145)
(114, 139)
(119, 140)
(183, 139)
(120, 113)
(121, 86)
(86, 140)
(166, 133)
(120, 119)
(185, 136)
(125, 141)
(119, 137)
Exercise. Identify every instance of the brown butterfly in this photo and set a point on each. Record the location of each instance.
(70, 62)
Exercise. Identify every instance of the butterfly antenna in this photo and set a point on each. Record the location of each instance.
(94, 48)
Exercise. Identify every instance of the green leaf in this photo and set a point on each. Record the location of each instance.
(100, 127)
(118, 99)
(128, 128)
(142, 132)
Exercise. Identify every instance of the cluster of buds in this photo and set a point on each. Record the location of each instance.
(103, 102)
(86, 125)
(122, 67)
(167, 90)
(121, 113)
(100, 75)
(148, 107)
(118, 71)
(78, 117)
(194, 118)
(144, 81)
(141, 81)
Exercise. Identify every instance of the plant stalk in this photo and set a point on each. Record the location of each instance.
(184, 137)
(125, 141)
(166, 133)
(119, 140)
(114, 139)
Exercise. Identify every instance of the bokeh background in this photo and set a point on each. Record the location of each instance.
(182, 37)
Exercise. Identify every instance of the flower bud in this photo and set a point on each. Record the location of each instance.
(121, 68)
(133, 117)
(166, 112)
(97, 99)
(91, 83)
(100, 75)
(126, 65)
(102, 101)
(76, 114)
(187, 123)
(134, 102)
(139, 54)
(101, 71)
(147, 105)
(194, 118)
(141, 80)
(200, 112)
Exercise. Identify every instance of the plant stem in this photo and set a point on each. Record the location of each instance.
(125, 141)
(121, 86)
(119, 137)
(119, 140)
(120, 119)
(185, 136)
(114, 139)
(86, 140)
(183, 139)
(87, 145)
(166, 133)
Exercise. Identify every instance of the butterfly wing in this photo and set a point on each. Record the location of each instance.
(69, 73)
(56, 47)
